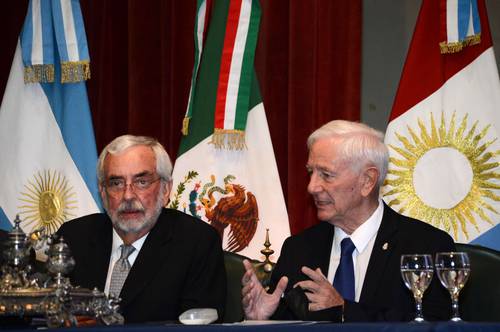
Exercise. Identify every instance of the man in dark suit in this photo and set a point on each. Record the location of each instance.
(347, 268)
(159, 261)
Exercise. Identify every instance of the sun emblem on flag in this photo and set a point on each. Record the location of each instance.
(416, 178)
(47, 201)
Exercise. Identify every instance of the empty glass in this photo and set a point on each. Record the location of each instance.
(453, 270)
(417, 272)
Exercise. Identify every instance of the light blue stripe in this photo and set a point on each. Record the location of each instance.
(59, 30)
(490, 239)
(47, 32)
(69, 103)
(463, 18)
(27, 36)
(476, 21)
(5, 224)
(83, 50)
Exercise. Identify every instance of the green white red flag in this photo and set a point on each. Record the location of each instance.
(226, 173)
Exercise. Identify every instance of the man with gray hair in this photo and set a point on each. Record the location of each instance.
(347, 268)
(159, 261)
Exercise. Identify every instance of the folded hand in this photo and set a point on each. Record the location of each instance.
(319, 291)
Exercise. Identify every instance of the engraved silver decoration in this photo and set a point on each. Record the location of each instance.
(24, 293)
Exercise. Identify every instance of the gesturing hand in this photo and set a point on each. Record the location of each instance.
(257, 303)
(319, 290)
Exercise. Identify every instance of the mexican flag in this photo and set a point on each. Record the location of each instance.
(226, 173)
(444, 127)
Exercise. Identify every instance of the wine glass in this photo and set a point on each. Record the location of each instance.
(417, 272)
(453, 270)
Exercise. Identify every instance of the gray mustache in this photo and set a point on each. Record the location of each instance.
(130, 205)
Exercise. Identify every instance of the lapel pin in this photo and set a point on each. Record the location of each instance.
(385, 246)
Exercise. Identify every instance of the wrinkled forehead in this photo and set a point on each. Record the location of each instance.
(326, 151)
(329, 153)
(132, 161)
(327, 146)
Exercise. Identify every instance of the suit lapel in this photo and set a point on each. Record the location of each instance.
(325, 248)
(150, 258)
(100, 246)
(383, 248)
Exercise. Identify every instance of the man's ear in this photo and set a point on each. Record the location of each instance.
(166, 194)
(102, 192)
(369, 180)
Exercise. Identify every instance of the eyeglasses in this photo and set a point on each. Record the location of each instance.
(138, 185)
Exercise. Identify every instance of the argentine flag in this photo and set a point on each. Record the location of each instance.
(444, 128)
(47, 144)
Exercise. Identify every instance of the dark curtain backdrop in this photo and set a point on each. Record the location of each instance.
(308, 64)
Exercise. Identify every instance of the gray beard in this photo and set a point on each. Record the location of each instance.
(136, 225)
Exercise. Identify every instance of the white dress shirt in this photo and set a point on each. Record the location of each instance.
(363, 238)
(116, 253)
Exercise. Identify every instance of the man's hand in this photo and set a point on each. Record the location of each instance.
(319, 290)
(257, 303)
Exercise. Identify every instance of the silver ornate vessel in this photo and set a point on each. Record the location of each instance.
(24, 293)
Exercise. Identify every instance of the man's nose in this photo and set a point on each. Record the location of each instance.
(314, 185)
(129, 191)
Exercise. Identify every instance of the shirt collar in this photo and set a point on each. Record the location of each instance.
(117, 242)
(364, 233)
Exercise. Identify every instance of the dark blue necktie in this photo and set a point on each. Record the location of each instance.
(344, 277)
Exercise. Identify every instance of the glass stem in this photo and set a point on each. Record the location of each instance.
(454, 306)
(418, 316)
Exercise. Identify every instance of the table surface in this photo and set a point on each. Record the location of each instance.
(290, 326)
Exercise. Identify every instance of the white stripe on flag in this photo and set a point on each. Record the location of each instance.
(470, 29)
(37, 46)
(69, 31)
(202, 16)
(236, 63)
(452, 21)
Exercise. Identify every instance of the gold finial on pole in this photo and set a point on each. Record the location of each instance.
(267, 251)
(264, 269)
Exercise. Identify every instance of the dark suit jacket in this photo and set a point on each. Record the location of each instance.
(180, 265)
(384, 297)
